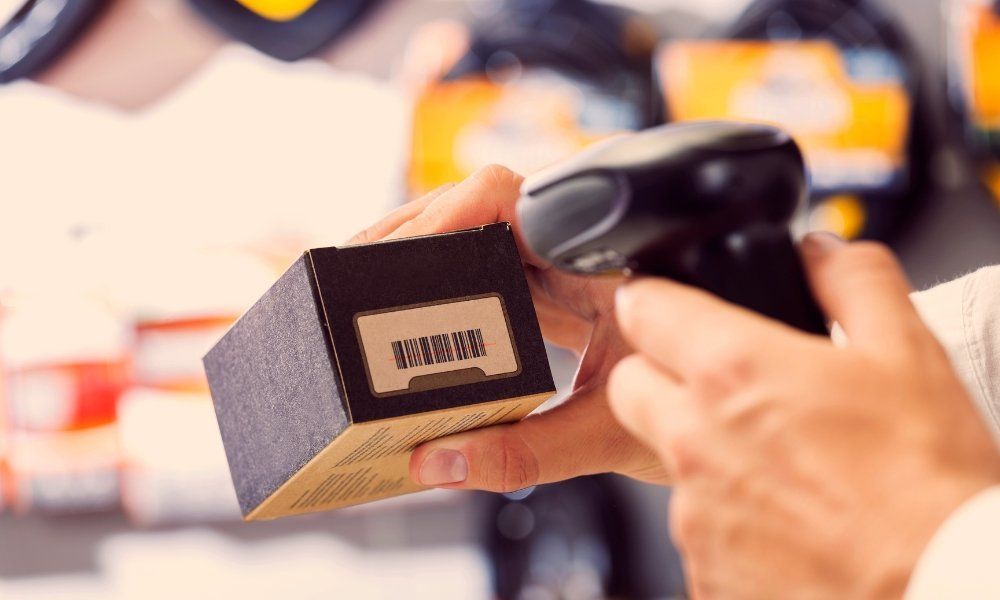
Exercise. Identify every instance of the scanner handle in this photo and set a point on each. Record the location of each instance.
(759, 269)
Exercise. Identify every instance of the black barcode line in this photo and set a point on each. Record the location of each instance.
(441, 348)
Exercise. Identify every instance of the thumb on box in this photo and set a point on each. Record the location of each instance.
(578, 437)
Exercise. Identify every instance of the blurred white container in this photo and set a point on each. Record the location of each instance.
(174, 467)
(65, 361)
(65, 472)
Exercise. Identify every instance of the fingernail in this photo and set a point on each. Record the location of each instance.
(823, 242)
(442, 467)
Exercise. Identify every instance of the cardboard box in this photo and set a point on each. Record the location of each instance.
(358, 354)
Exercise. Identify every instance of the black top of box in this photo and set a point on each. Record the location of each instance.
(413, 271)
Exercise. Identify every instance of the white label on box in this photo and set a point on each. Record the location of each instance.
(436, 345)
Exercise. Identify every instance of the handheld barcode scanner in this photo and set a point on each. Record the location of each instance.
(708, 203)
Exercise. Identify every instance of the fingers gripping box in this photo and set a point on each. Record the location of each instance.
(358, 354)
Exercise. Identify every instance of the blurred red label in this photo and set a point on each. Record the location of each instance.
(64, 396)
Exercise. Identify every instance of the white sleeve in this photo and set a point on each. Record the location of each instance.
(965, 317)
(963, 558)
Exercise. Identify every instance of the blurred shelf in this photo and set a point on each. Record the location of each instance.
(45, 545)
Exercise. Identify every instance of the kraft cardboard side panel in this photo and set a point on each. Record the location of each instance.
(370, 461)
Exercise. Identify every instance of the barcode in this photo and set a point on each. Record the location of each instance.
(441, 348)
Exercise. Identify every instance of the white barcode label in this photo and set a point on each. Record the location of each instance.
(416, 347)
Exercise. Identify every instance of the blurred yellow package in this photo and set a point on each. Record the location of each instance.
(974, 77)
(461, 125)
(278, 10)
(852, 129)
(976, 43)
(848, 109)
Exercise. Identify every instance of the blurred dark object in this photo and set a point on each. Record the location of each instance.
(843, 78)
(573, 540)
(598, 43)
(531, 84)
(289, 39)
(39, 31)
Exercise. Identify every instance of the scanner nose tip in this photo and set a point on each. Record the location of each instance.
(556, 218)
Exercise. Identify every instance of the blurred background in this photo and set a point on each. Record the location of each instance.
(163, 161)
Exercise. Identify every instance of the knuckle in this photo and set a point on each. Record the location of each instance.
(499, 176)
(727, 367)
(366, 236)
(511, 465)
(686, 462)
